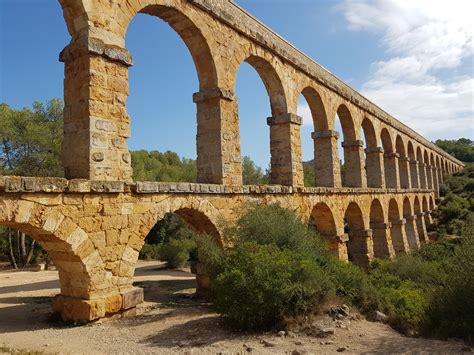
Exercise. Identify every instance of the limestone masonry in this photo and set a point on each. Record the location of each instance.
(93, 223)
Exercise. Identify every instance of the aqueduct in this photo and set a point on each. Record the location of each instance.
(93, 222)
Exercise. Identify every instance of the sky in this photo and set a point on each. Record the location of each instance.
(413, 58)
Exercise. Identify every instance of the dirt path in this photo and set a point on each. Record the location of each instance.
(172, 322)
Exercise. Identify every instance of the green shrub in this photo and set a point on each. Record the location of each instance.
(451, 311)
(274, 224)
(262, 284)
(210, 255)
(176, 252)
(149, 251)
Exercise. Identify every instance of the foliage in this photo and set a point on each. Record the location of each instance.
(273, 224)
(252, 174)
(309, 174)
(451, 311)
(149, 252)
(462, 149)
(31, 139)
(176, 252)
(210, 255)
(167, 166)
(262, 284)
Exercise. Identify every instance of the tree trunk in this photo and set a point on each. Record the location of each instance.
(23, 249)
(30, 253)
(12, 254)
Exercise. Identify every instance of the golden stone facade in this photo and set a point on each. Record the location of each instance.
(93, 223)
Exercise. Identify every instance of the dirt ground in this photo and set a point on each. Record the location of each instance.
(172, 322)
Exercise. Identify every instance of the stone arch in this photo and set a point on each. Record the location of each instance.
(352, 173)
(389, 160)
(426, 212)
(429, 176)
(410, 227)
(82, 275)
(372, 155)
(432, 203)
(192, 36)
(420, 220)
(397, 231)
(403, 168)
(316, 106)
(272, 82)
(380, 231)
(321, 140)
(325, 224)
(359, 245)
(415, 180)
(421, 167)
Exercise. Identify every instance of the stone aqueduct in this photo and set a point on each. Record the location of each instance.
(93, 223)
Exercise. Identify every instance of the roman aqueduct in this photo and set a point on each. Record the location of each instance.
(93, 223)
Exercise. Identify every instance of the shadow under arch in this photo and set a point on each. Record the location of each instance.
(397, 231)
(420, 221)
(410, 226)
(359, 245)
(380, 232)
(323, 219)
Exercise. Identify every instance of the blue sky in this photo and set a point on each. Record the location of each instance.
(413, 58)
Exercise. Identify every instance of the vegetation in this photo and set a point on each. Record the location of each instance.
(170, 240)
(463, 148)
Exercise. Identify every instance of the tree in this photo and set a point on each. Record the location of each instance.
(462, 149)
(251, 173)
(31, 139)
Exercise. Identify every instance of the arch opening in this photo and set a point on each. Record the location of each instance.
(410, 226)
(350, 166)
(403, 168)
(316, 151)
(389, 160)
(359, 245)
(372, 157)
(185, 67)
(380, 231)
(397, 231)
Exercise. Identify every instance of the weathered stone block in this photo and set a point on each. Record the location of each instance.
(132, 298)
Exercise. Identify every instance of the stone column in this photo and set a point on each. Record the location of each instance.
(415, 176)
(96, 122)
(360, 247)
(326, 158)
(422, 170)
(285, 148)
(440, 176)
(383, 246)
(354, 171)
(337, 245)
(404, 169)
(218, 138)
(421, 227)
(391, 170)
(412, 232)
(399, 238)
(375, 171)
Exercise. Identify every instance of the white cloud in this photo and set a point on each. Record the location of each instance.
(305, 113)
(428, 41)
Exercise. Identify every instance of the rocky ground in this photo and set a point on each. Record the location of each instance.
(173, 322)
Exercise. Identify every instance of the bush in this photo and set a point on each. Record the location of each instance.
(210, 255)
(176, 252)
(261, 285)
(276, 225)
(451, 311)
(149, 251)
